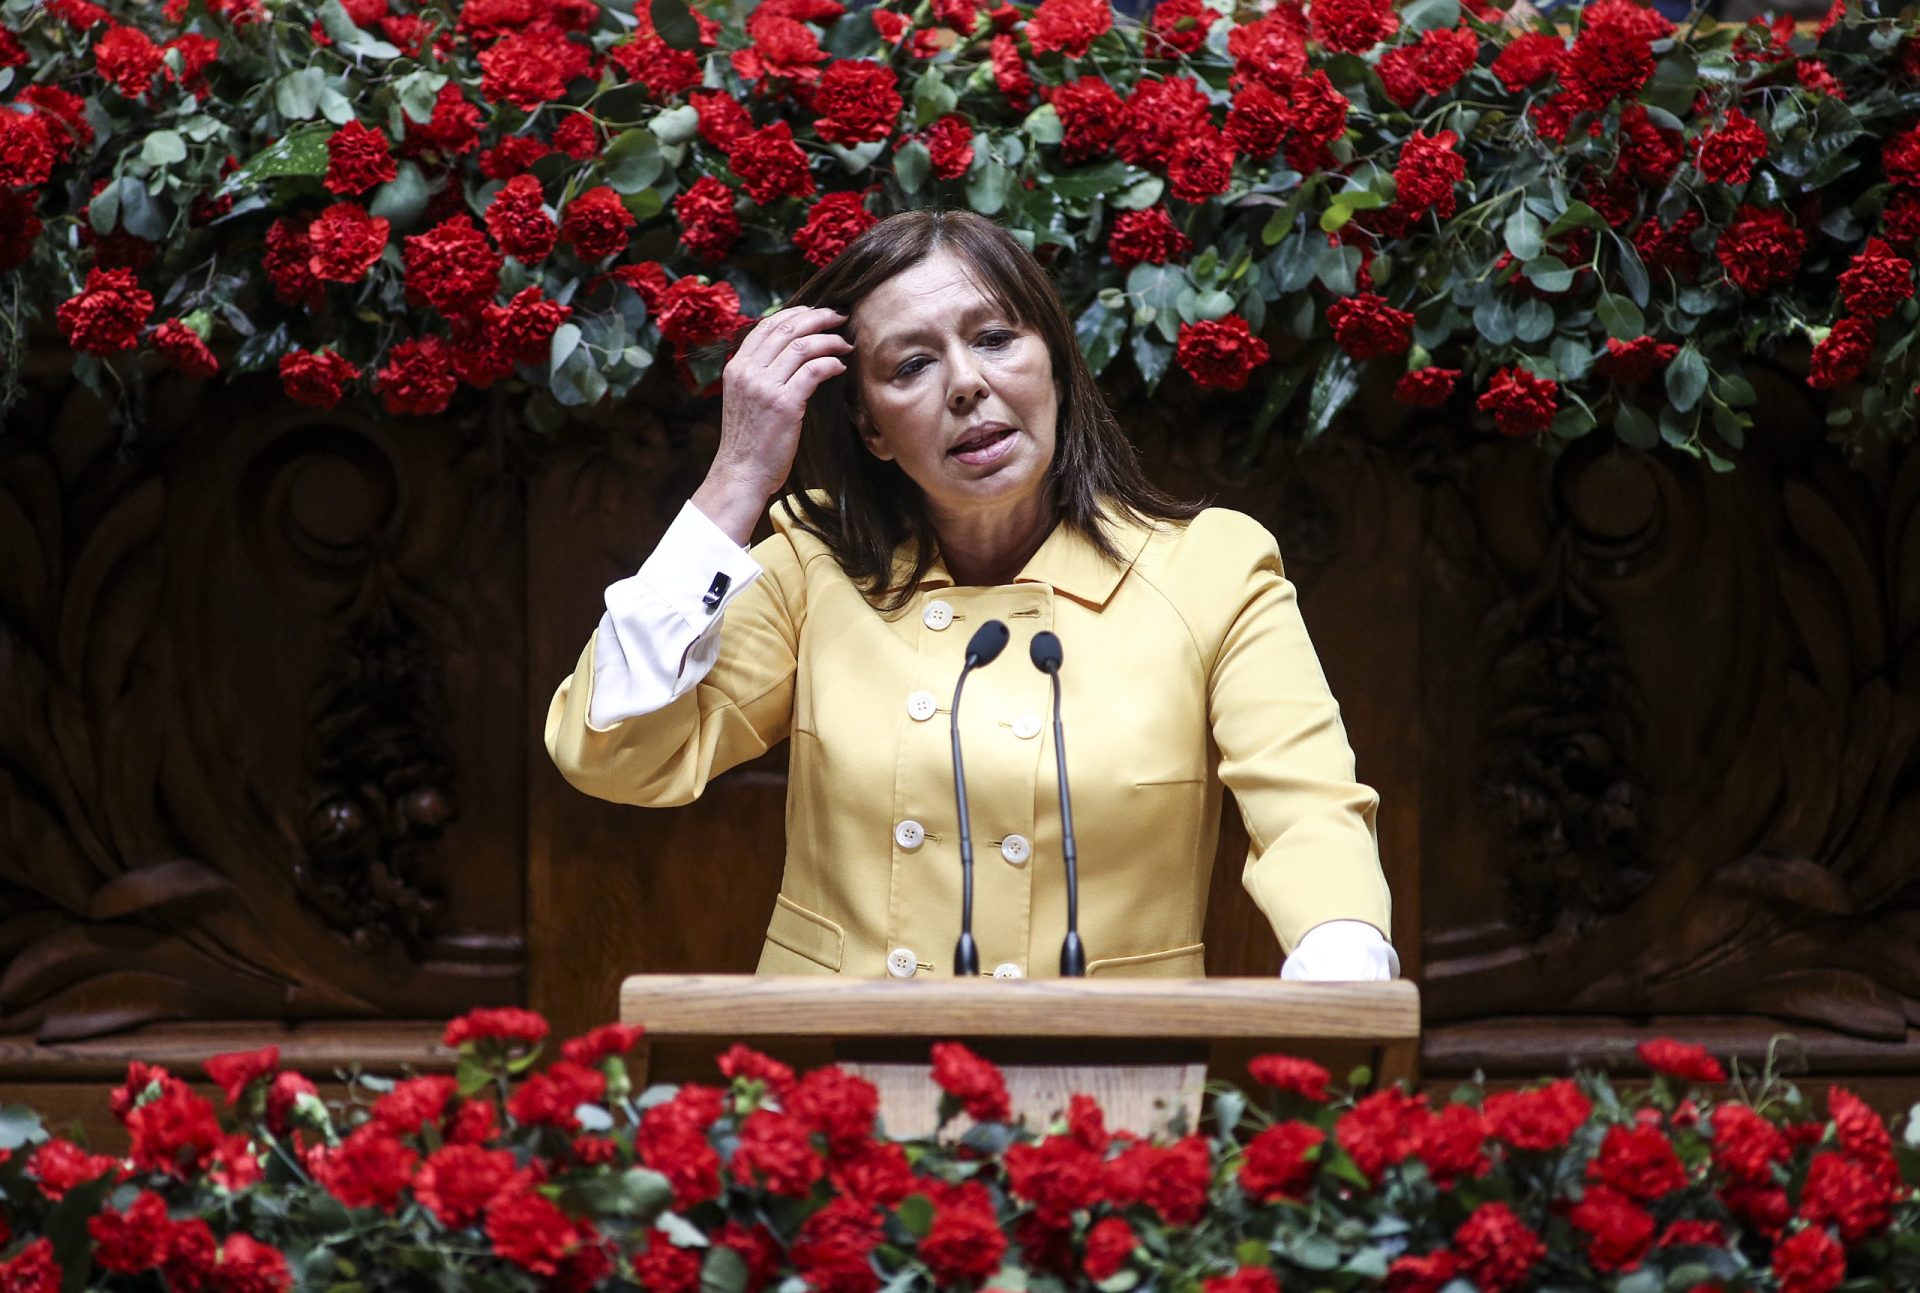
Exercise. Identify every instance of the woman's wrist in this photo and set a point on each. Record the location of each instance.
(732, 506)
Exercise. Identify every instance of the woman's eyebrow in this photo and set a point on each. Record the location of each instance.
(900, 340)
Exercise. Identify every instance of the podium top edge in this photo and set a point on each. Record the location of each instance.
(745, 1006)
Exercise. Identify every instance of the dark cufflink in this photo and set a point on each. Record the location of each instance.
(716, 590)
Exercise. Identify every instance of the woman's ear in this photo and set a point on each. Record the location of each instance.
(869, 436)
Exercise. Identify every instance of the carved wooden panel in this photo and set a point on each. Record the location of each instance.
(261, 676)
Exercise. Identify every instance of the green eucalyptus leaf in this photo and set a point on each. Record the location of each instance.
(674, 23)
(1333, 386)
(911, 166)
(103, 213)
(1523, 234)
(20, 1127)
(1686, 378)
(297, 94)
(987, 187)
(1150, 355)
(723, 1271)
(1337, 268)
(1099, 331)
(1043, 125)
(1635, 429)
(1620, 317)
(163, 148)
(1429, 15)
(565, 340)
(1087, 181)
(140, 215)
(402, 199)
(676, 125)
(1532, 320)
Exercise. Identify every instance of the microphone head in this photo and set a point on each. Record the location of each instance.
(988, 641)
(1045, 651)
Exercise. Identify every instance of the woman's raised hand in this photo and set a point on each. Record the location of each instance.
(764, 391)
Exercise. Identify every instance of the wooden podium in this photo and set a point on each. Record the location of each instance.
(1143, 1047)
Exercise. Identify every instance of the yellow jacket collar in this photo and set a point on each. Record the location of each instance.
(1067, 562)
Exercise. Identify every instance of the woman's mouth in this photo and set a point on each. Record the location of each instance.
(979, 450)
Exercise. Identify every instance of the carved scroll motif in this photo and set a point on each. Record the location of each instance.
(163, 641)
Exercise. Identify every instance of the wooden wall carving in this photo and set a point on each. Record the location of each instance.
(236, 659)
(272, 686)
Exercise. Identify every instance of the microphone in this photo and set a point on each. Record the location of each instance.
(1073, 956)
(988, 641)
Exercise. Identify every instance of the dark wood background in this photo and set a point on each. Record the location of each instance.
(272, 683)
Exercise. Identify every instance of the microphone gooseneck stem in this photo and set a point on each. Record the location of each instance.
(1073, 956)
(966, 956)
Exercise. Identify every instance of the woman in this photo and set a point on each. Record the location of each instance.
(968, 469)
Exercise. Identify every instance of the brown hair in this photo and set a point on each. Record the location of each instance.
(872, 506)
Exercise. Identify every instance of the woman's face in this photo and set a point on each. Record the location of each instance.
(954, 390)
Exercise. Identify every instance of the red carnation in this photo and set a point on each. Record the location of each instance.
(344, 241)
(1146, 237)
(1495, 1248)
(1201, 166)
(1010, 75)
(672, 1141)
(1522, 404)
(32, 1270)
(577, 137)
(858, 101)
(833, 222)
(1862, 1133)
(949, 143)
(723, 120)
(1280, 1162)
(1900, 156)
(531, 68)
(1382, 1130)
(1270, 50)
(608, 1041)
(452, 267)
(418, 378)
(876, 1173)
(1180, 26)
(838, 1105)
(1352, 26)
(756, 1247)
(965, 1243)
(1842, 356)
(1877, 281)
(770, 165)
(1619, 1231)
(595, 224)
(1728, 153)
(648, 279)
(1257, 121)
(1639, 1162)
(527, 1229)
(1809, 1261)
(1159, 114)
(1854, 1199)
(129, 60)
(664, 70)
(976, 1083)
(60, 1165)
(415, 1103)
(1746, 1145)
(708, 225)
(235, 1072)
(107, 315)
(1426, 173)
(316, 378)
(368, 1169)
(458, 1181)
(452, 129)
(1059, 1175)
(1761, 249)
(1110, 1245)
(1068, 27)
(1431, 65)
(550, 1098)
(517, 218)
(27, 151)
(1629, 362)
(662, 1266)
(130, 1242)
(1246, 1279)
(1220, 353)
(833, 1251)
(1174, 1180)
(357, 159)
(776, 1152)
(693, 313)
(1291, 1074)
(1529, 59)
(1662, 1054)
(1090, 118)
(182, 347)
(512, 156)
(782, 47)
(1452, 1144)
(1427, 1273)
(176, 1133)
(1426, 388)
(1367, 327)
(1612, 58)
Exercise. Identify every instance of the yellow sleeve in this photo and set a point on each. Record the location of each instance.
(1313, 855)
(741, 709)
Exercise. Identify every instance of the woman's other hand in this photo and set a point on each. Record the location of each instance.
(763, 399)
(1336, 951)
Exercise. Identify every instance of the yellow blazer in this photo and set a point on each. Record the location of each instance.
(1186, 668)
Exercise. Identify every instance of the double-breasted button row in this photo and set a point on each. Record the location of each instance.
(902, 964)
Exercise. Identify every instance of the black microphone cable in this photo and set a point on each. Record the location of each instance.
(1073, 956)
(988, 641)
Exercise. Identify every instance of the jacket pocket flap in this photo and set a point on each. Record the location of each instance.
(805, 933)
(1189, 962)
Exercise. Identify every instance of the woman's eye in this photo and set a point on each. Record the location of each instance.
(997, 338)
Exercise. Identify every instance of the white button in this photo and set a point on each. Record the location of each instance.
(937, 615)
(1015, 849)
(909, 833)
(922, 706)
(900, 963)
(1006, 970)
(1027, 726)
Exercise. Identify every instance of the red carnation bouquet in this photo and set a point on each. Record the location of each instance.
(506, 1174)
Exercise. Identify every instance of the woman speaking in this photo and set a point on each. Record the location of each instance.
(964, 468)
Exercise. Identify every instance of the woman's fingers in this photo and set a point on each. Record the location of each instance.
(802, 351)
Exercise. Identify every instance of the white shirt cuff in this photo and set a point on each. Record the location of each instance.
(1342, 951)
(660, 634)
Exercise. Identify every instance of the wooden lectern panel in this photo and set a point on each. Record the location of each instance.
(1143, 1047)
